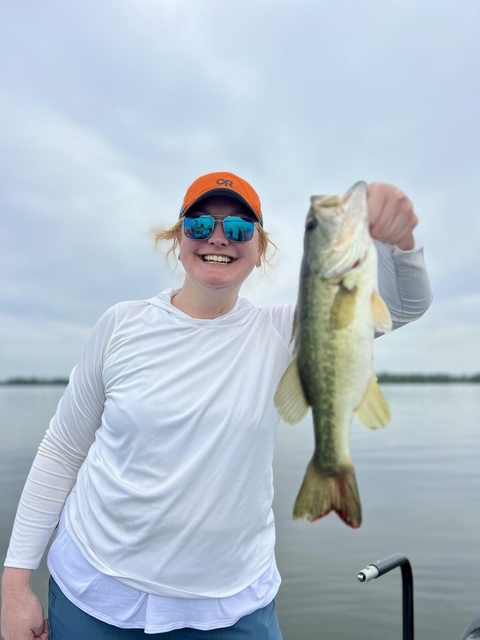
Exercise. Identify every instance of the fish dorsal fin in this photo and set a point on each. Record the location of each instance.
(381, 315)
(289, 400)
(373, 411)
(343, 308)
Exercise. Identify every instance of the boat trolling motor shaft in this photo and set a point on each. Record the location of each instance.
(380, 567)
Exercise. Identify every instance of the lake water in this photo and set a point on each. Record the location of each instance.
(419, 482)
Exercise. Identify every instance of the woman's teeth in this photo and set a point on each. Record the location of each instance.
(225, 259)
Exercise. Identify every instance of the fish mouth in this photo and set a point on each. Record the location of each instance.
(329, 207)
(216, 259)
(327, 203)
(337, 229)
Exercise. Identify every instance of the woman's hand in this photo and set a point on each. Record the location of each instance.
(391, 214)
(22, 611)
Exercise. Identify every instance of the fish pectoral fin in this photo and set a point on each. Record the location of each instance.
(342, 312)
(381, 315)
(373, 411)
(289, 400)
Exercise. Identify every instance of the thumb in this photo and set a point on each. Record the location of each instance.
(43, 635)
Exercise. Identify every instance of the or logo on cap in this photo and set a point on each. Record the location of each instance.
(225, 183)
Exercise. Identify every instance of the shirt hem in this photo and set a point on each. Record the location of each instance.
(158, 628)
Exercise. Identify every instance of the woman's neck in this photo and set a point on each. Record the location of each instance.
(204, 304)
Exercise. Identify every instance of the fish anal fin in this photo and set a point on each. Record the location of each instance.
(373, 411)
(289, 399)
(381, 315)
(322, 493)
(343, 308)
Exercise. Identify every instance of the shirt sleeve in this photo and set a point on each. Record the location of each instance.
(61, 453)
(403, 283)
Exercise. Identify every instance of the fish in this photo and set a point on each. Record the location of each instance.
(338, 311)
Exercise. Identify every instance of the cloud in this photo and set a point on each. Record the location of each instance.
(108, 111)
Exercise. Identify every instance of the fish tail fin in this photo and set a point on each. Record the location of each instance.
(321, 493)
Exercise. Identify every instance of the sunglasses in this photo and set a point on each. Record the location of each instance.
(236, 229)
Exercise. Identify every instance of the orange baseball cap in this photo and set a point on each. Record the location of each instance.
(222, 183)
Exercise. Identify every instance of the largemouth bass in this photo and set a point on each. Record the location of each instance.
(338, 310)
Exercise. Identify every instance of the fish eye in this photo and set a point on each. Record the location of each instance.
(312, 224)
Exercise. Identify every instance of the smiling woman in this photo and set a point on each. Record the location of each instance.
(211, 258)
(221, 227)
(156, 469)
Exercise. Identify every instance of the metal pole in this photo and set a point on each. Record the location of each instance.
(380, 567)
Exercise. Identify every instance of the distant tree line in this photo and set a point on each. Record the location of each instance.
(33, 380)
(382, 377)
(426, 377)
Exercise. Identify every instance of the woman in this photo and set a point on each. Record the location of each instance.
(157, 465)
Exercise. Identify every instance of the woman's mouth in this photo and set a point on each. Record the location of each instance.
(218, 259)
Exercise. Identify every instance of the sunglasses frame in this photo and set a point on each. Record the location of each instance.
(248, 229)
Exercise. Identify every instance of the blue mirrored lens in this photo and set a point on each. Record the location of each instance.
(236, 229)
(199, 228)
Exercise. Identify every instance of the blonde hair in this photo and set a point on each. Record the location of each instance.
(175, 233)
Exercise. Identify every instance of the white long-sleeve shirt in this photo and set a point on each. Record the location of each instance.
(170, 421)
(174, 422)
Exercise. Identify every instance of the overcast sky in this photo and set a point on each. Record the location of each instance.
(109, 109)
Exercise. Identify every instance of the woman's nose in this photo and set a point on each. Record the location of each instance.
(218, 235)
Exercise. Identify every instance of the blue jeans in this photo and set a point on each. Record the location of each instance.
(68, 622)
